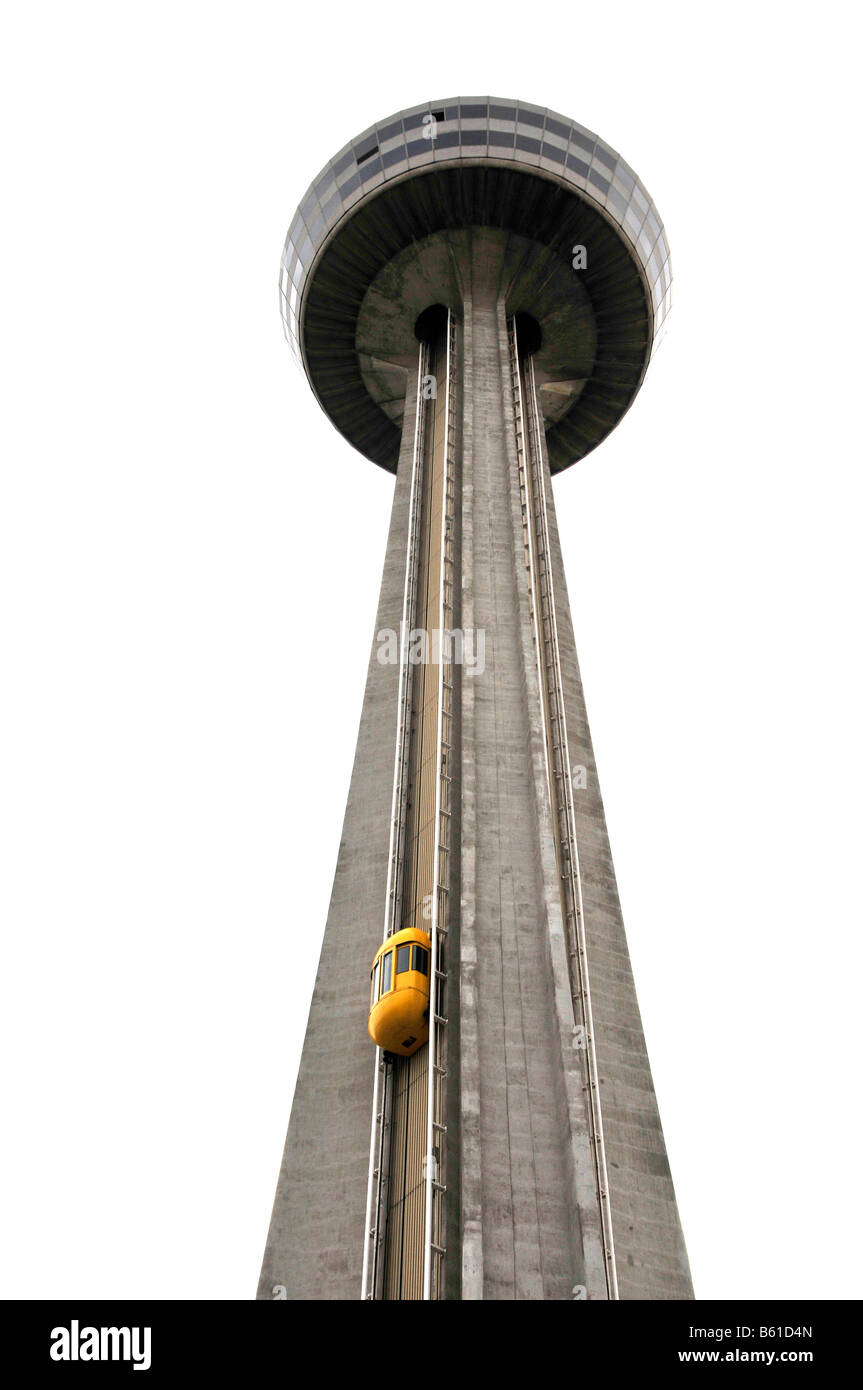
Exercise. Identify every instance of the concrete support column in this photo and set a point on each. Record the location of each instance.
(521, 1209)
(530, 1217)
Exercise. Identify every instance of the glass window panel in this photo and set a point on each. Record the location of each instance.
(623, 176)
(583, 140)
(367, 148)
(349, 185)
(645, 241)
(387, 976)
(578, 165)
(325, 189)
(402, 958)
(605, 156)
(421, 960)
(596, 178)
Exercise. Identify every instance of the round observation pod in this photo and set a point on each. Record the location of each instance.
(399, 1006)
(389, 221)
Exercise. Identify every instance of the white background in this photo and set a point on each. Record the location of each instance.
(190, 557)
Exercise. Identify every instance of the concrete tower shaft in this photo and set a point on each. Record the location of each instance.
(518, 1154)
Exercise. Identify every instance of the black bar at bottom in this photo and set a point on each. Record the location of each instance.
(251, 1339)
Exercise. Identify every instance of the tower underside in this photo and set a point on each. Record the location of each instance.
(537, 1170)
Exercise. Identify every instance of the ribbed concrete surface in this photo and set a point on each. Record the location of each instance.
(651, 1254)
(522, 1219)
(315, 1242)
(530, 1217)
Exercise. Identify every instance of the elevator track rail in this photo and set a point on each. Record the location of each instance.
(403, 1248)
(537, 549)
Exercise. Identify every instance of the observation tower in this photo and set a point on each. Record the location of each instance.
(474, 288)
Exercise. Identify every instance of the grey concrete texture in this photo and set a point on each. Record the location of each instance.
(651, 1255)
(529, 1211)
(315, 1242)
(521, 1208)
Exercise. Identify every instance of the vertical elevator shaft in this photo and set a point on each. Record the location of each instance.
(406, 1179)
(405, 1244)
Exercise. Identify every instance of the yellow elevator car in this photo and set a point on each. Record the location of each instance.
(399, 1007)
